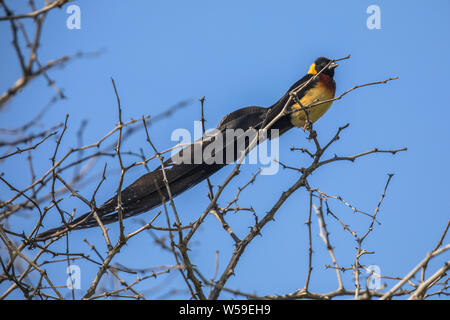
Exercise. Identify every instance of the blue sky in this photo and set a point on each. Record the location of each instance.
(249, 53)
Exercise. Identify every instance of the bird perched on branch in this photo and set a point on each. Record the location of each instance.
(304, 103)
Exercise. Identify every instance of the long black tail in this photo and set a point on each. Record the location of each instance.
(149, 191)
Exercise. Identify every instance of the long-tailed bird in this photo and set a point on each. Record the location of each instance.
(316, 88)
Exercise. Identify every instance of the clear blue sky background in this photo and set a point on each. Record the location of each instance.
(249, 53)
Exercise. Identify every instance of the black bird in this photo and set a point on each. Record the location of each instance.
(149, 191)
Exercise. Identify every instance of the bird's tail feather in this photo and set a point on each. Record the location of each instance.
(150, 190)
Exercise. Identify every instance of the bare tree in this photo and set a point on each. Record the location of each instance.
(27, 265)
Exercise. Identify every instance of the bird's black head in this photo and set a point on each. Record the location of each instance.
(321, 63)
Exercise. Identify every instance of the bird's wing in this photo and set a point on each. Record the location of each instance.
(150, 190)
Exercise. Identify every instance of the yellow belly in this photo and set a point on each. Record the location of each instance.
(316, 94)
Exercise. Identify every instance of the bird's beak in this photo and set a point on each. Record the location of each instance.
(333, 65)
